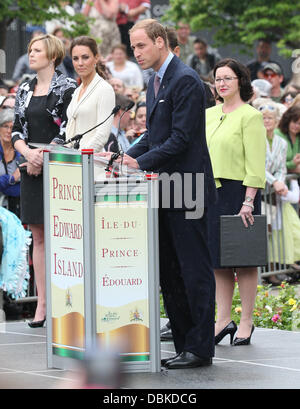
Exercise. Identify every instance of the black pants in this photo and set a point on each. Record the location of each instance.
(187, 282)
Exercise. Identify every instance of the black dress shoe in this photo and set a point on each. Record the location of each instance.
(163, 361)
(229, 329)
(187, 360)
(243, 341)
(37, 324)
(166, 332)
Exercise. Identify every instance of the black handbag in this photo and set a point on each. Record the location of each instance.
(243, 246)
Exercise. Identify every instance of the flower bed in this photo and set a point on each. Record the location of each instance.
(274, 308)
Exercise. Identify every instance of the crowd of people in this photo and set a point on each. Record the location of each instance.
(252, 142)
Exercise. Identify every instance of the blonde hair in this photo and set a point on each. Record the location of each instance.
(272, 108)
(54, 47)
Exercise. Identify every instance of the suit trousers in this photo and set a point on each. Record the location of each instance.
(187, 281)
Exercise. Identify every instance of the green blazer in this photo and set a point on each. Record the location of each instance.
(237, 145)
(292, 149)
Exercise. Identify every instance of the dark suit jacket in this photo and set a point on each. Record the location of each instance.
(175, 139)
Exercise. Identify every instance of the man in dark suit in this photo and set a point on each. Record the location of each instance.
(175, 143)
(165, 331)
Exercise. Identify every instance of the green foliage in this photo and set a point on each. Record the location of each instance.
(38, 11)
(162, 308)
(278, 308)
(242, 22)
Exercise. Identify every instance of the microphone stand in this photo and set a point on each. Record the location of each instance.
(120, 152)
(78, 137)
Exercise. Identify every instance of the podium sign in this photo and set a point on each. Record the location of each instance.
(101, 264)
(122, 274)
(66, 254)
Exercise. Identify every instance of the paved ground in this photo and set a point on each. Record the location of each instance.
(272, 361)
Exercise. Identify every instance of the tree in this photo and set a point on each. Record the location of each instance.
(243, 21)
(37, 12)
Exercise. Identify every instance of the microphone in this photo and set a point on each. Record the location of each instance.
(127, 108)
(120, 152)
(79, 136)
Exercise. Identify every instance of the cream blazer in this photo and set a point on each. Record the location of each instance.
(93, 107)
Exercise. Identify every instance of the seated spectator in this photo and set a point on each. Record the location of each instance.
(272, 72)
(287, 98)
(117, 139)
(289, 129)
(262, 88)
(133, 93)
(128, 71)
(292, 87)
(201, 61)
(9, 171)
(8, 102)
(138, 127)
(118, 85)
(275, 176)
(4, 90)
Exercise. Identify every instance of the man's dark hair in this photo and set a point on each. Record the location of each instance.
(122, 100)
(172, 37)
(199, 40)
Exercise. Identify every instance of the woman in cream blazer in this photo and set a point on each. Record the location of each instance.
(93, 100)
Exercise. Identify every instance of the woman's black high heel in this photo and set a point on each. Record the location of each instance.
(243, 341)
(230, 329)
(37, 324)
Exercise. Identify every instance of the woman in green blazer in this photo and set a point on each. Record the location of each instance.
(236, 139)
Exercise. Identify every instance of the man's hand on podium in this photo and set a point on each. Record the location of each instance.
(124, 159)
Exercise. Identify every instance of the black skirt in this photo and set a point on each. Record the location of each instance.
(231, 196)
(31, 199)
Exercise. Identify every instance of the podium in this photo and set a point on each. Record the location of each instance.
(101, 254)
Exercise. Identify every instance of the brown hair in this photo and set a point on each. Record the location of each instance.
(152, 28)
(54, 47)
(119, 47)
(92, 45)
(172, 37)
(243, 74)
(291, 114)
